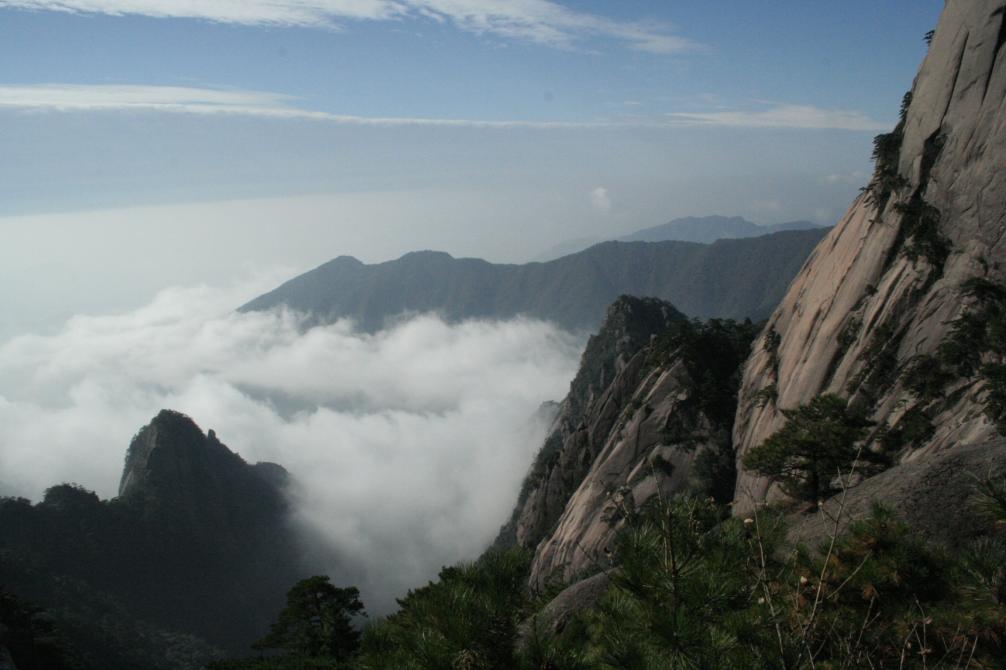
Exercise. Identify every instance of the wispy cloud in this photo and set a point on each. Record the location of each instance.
(783, 116)
(72, 97)
(196, 100)
(201, 100)
(538, 21)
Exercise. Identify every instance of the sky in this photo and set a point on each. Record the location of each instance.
(151, 143)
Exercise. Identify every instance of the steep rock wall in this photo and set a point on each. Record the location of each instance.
(643, 407)
(884, 285)
(610, 369)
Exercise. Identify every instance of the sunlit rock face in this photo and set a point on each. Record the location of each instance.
(609, 368)
(862, 308)
(630, 428)
(875, 297)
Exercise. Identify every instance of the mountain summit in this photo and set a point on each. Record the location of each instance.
(194, 555)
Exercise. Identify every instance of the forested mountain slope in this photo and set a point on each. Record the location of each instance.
(730, 278)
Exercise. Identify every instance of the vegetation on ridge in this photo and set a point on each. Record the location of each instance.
(697, 588)
(819, 445)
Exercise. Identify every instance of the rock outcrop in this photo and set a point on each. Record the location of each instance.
(195, 555)
(209, 491)
(645, 403)
(877, 297)
(935, 496)
(586, 416)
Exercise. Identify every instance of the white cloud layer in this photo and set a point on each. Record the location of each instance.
(409, 445)
(783, 116)
(538, 21)
(205, 100)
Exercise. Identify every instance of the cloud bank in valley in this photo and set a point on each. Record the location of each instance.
(408, 445)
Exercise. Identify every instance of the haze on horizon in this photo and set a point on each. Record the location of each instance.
(149, 144)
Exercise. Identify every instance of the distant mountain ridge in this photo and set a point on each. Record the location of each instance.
(701, 229)
(729, 279)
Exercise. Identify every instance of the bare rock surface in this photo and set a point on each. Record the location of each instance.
(609, 372)
(861, 305)
(935, 496)
(642, 408)
(554, 617)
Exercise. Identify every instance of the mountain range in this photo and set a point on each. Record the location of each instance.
(736, 279)
(701, 229)
(897, 315)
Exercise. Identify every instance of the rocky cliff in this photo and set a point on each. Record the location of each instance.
(172, 468)
(875, 313)
(194, 556)
(654, 392)
(900, 310)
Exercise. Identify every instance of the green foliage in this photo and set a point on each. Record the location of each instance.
(995, 399)
(906, 102)
(921, 232)
(925, 377)
(880, 361)
(767, 395)
(279, 663)
(849, 333)
(468, 619)
(770, 342)
(816, 448)
(715, 473)
(712, 352)
(32, 637)
(695, 590)
(681, 596)
(912, 429)
(317, 621)
(886, 178)
(976, 344)
(871, 589)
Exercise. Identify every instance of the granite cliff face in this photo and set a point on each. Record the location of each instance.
(652, 394)
(866, 316)
(889, 312)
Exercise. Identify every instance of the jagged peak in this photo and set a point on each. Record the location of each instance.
(172, 454)
(630, 324)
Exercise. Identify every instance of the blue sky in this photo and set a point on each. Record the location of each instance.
(286, 132)
(851, 55)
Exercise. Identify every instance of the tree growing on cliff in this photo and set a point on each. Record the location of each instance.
(317, 621)
(817, 446)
